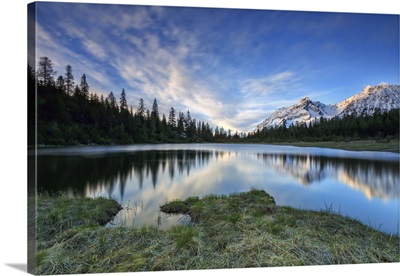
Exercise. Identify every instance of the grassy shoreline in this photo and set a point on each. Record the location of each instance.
(235, 231)
(59, 214)
(358, 145)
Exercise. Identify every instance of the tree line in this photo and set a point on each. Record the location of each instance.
(62, 111)
(67, 113)
(379, 126)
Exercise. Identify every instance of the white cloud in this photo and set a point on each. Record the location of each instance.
(259, 97)
(170, 63)
(87, 39)
(94, 48)
(269, 85)
(62, 56)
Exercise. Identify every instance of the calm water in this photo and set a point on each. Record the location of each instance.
(362, 185)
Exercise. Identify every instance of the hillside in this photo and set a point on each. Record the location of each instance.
(383, 97)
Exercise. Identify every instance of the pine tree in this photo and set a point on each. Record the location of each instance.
(172, 119)
(31, 74)
(141, 109)
(154, 122)
(84, 86)
(111, 99)
(60, 83)
(94, 98)
(32, 107)
(163, 128)
(45, 71)
(69, 80)
(77, 91)
(148, 117)
(123, 103)
(155, 115)
(216, 134)
(181, 123)
(188, 120)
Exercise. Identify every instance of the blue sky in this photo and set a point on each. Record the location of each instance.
(229, 67)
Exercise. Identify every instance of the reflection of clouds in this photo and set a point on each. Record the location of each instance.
(372, 178)
(158, 186)
(152, 198)
(203, 180)
(154, 175)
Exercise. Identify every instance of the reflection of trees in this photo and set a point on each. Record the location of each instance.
(81, 173)
(373, 178)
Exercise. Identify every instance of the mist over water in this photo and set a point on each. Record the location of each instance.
(362, 185)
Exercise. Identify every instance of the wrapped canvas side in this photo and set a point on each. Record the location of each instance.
(31, 89)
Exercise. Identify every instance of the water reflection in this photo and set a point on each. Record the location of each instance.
(142, 180)
(374, 178)
(79, 174)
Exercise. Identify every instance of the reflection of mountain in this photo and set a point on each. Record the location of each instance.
(79, 174)
(374, 179)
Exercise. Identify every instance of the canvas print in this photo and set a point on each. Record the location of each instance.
(181, 138)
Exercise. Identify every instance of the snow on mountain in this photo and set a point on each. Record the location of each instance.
(383, 97)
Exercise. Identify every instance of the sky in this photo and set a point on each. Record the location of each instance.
(229, 67)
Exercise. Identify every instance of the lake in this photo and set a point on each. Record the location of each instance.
(361, 185)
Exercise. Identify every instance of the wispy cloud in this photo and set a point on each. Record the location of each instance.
(270, 84)
(60, 55)
(169, 64)
(261, 96)
(228, 67)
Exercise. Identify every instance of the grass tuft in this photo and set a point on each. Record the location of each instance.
(235, 231)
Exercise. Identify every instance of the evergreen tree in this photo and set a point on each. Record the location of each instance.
(31, 106)
(123, 103)
(154, 122)
(222, 133)
(188, 120)
(111, 99)
(94, 98)
(181, 123)
(141, 109)
(45, 71)
(60, 83)
(148, 117)
(154, 112)
(69, 80)
(209, 133)
(163, 128)
(171, 118)
(84, 86)
(77, 91)
(216, 133)
(31, 74)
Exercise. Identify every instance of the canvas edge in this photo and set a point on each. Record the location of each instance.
(31, 147)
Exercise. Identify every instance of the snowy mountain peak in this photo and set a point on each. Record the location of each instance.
(383, 97)
(367, 89)
(304, 100)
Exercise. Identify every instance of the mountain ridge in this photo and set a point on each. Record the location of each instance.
(383, 97)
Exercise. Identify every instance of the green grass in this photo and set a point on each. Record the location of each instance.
(235, 231)
(61, 216)
(362, 145)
